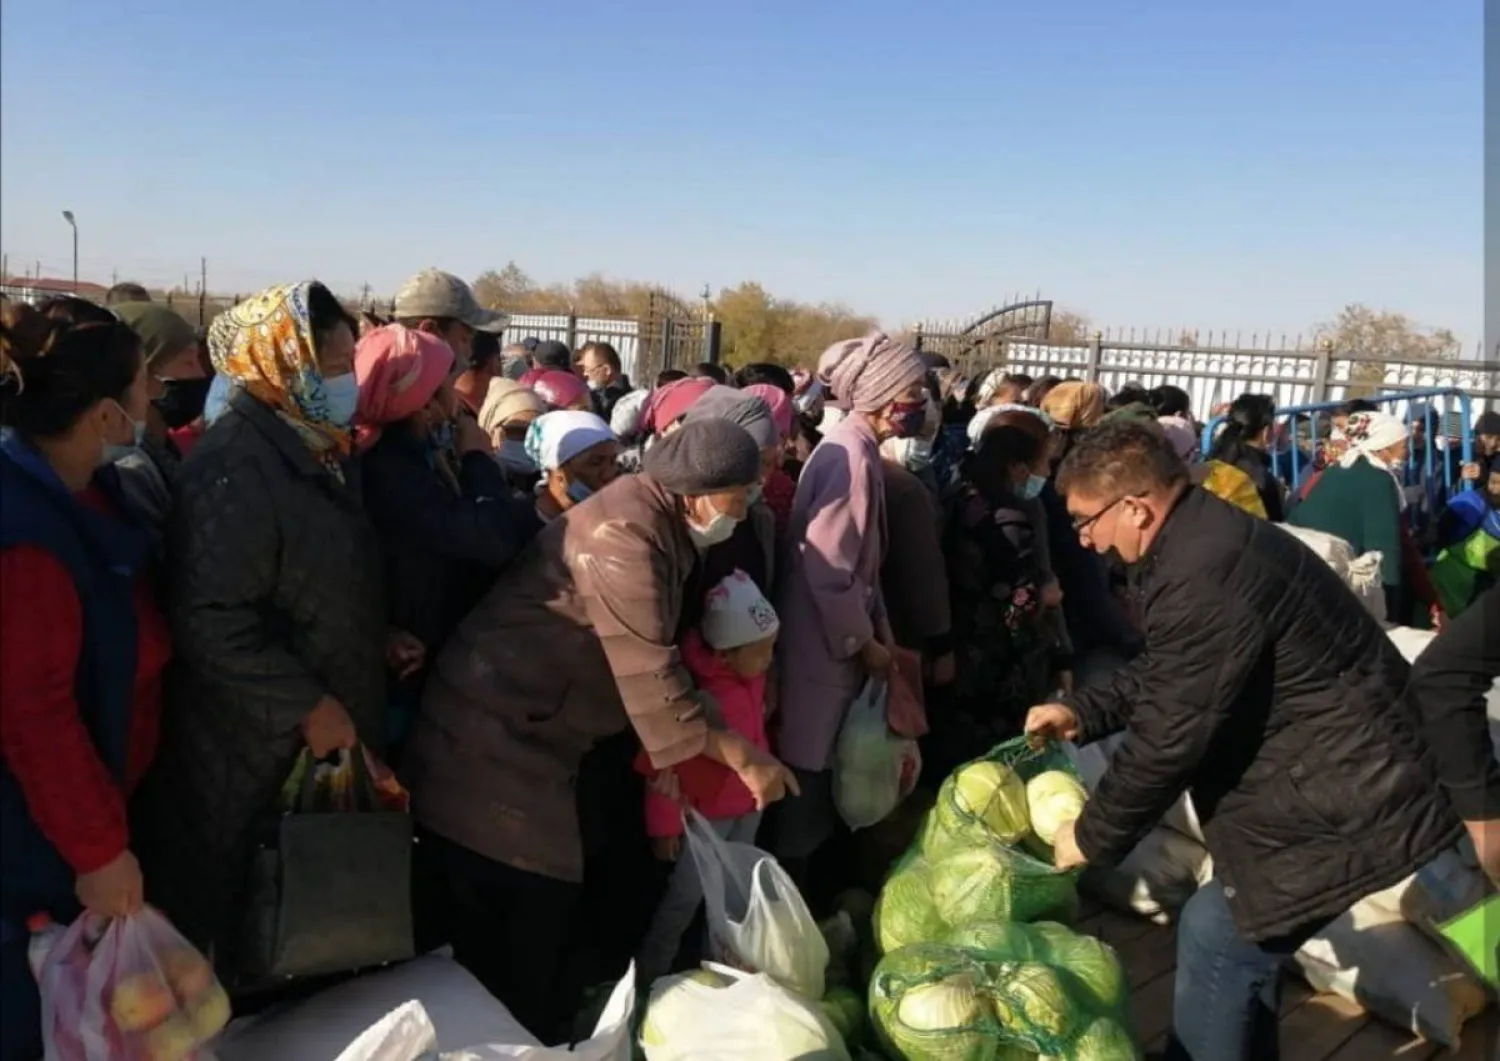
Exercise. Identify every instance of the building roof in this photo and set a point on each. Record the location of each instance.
(51, 286)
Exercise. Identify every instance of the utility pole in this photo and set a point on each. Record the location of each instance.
(202, 291)
(114, 277)
(364, 296)
(72, 223)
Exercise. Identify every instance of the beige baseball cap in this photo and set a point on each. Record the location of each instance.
(434, 293)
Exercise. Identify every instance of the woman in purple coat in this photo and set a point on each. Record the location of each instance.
(834, 628)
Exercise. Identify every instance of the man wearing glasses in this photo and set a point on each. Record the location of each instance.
(1270, 693)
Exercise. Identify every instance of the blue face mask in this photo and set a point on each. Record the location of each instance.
(579, 492)
(114, 451)
(441, 437)
(342, 395)
(1032, 486)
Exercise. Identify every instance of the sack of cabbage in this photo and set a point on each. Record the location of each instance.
(984, 852)
(1004, 992)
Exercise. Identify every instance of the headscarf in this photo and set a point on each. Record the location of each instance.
(982, 419)
(560, 390)
(625, 419)
(164, 332)
(777, 401)
(1181, 435)
(399, 370)
(809, 394)
(504, 400)
(556, 438)
(1367, 434)
(1073, 404)
(746, 410)
(868, 374)
(265, 346)
(668, 403)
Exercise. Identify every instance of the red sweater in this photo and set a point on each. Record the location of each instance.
(72, 796)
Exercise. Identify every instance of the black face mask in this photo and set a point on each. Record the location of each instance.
(182, 400)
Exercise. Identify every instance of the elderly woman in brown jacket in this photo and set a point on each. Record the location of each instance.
(575, 642)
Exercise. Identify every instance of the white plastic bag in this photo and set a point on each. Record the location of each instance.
(1378, 960)
(128, 989)
(466, 1021)
(752, 1019)
(1360, 572)
(873, 768)
(757, 919)
(404, 1034)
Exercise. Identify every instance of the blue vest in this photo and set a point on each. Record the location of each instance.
(103, 555)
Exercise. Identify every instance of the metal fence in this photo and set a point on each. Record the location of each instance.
(646, 347)
(1213, 375)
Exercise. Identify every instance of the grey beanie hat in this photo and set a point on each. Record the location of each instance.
(704, 457)
(747, 410)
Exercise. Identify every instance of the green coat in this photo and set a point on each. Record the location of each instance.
(1360, 505)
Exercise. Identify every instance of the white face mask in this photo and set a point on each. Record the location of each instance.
(719, 529)
(114, 451)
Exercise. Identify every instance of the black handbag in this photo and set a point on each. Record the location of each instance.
(330, 890)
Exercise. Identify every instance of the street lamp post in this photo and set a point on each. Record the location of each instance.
(71, 220)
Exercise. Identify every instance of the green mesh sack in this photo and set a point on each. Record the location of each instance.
(938, 1002)
(1089, 966)
(981, 820)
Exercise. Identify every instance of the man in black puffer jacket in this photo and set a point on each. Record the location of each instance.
(1269, 692)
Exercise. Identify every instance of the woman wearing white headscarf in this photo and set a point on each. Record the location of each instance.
(578, 456)
(1360, 498)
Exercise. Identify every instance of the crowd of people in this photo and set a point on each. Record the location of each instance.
(563, 606)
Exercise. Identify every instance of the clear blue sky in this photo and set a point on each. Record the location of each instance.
(1227, 164)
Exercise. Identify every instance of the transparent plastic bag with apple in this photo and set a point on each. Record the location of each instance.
(128, 989)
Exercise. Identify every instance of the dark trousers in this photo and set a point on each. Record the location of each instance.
(20, 1005)
(511, 929)
(1228, 991)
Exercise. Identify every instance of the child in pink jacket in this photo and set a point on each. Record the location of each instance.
(728, 657)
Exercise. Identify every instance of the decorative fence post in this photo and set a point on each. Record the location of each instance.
(1322, 370)
(572, 331)
(1096, 355)
(667, 329)
(712, 334)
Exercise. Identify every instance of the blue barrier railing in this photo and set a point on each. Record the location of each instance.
(1288, 441)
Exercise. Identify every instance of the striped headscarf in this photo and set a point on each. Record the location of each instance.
(868, 374)
(265, 347)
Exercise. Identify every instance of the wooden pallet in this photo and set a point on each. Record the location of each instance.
(1314, 1027)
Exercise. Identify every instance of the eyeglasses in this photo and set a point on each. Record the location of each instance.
(1086, 522)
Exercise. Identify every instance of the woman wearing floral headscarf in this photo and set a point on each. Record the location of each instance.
(275, 604)
(834, 623)
(1360, 499)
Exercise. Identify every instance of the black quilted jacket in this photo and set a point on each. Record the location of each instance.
(1269, 691)
(275, 601)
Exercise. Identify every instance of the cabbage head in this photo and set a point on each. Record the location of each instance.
(1054, 798)
(1093, 965)
(1032, 1002)
(845, 1011)
(948, 1018)
(1000, 940)
(1104, 1040)
(675, 1004)
(905, 913)
(989, 792)
(974, 884)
